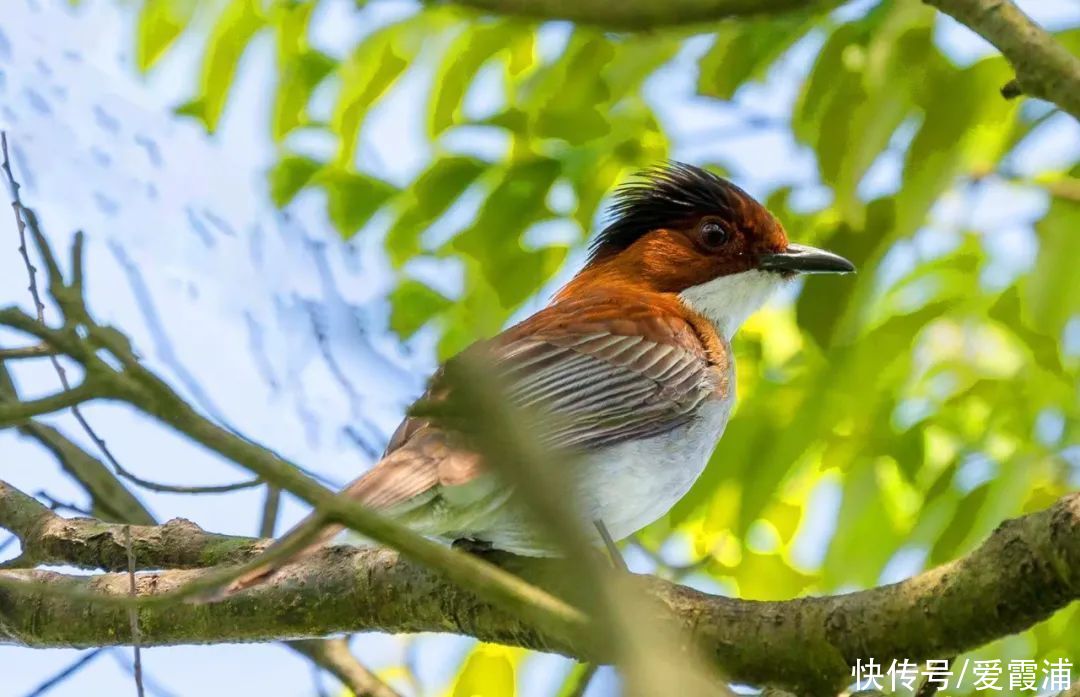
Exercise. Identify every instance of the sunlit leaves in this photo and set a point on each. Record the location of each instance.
(412, 305)
(427, 199)
(494, 242)
(289, 175)
(368, 73)
(474, 47)
(300, 68)
(744, 50)
(352, 198)
(159, 24)
(228, 40)
(964, 123)
(860, 91)
(1054, 286)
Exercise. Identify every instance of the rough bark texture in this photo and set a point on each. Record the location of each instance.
(1044, 68)
(1028, 569)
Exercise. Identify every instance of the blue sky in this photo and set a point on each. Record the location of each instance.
(222, 295)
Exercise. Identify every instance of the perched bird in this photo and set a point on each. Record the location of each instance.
(631, 359)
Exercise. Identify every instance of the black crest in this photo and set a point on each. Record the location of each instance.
(660, 196)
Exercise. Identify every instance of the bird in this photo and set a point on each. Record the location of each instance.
(631, 359)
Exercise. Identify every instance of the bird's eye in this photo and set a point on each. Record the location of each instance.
(712, 234)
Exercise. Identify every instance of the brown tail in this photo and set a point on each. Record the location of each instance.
(309, 535)
(403, 476)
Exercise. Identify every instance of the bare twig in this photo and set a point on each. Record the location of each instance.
(56, 504)
(25, 219)
(66, 673)
(334, 656)
(133, 615)
(36, 351)
(270, 511)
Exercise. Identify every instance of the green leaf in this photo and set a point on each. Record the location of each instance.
(745, 50)
(1053, 288)
(427, 199)
(160, 23)
(493, 242)
(300, 68)
(369, 73)
(1009, 312)
(469, 52)
(850, 112)
(850, 559)
(566, 99)
(289, 175)
(412, 305)
(821, 306)
(966, 125)
(232, 33)
(960, 526)
(352, 198)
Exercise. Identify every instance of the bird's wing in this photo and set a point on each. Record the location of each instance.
(604, 371)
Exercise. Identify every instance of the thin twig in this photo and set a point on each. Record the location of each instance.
(65, 673)
(36, 351)
(58, 505)
(613, 552)
(133, 615)
(334, 656)
(26, 219)
(270, 511)
(152, 686)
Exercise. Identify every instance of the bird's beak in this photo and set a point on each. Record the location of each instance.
(800, 258)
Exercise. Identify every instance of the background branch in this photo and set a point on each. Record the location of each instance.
(641, 14)
(1044, 68)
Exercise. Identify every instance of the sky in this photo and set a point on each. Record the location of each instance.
(269, 322)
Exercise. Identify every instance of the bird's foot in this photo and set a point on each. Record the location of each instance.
(470, 546)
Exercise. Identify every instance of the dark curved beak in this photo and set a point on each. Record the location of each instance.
(799, 258)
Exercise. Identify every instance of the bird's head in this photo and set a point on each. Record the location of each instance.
(679, 229)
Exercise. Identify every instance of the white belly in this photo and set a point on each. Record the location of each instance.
(633, 484)
(627, 486)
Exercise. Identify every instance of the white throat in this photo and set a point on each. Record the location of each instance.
(728, 300)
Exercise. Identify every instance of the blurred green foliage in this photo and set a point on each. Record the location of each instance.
(928, 399)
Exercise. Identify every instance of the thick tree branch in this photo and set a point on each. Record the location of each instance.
(1044, 68)
(92, 544)
(636, 15)
(1028, 569)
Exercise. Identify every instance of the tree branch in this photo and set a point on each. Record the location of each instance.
(1044, 68)
(1028, 569)
(634, 15)
(15, 413)
(333, 655)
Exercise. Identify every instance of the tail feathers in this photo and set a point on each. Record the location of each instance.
(308, 536)
(404, 479)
